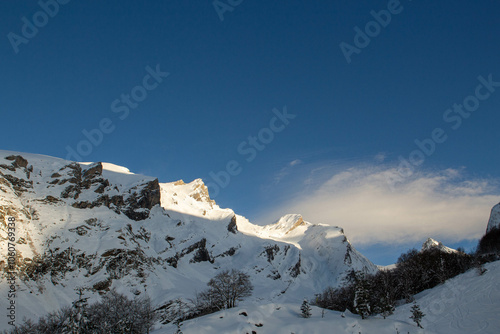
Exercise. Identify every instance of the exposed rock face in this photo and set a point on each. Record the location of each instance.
(200, 192)
(135, 203)
(17, 161)
(232, 227)
(494, 220)
(146, 197)
(80, 179)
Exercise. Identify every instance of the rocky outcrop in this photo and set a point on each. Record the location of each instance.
(80, 179)
(19, 185)
(143, 199)
(201, 254)
(232, 227)
(136, 203)
(200, 192)
(18, 161)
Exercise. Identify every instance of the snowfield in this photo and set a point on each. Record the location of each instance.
(466, 304)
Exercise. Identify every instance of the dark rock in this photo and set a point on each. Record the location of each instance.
(80, 230)
(9, 167)
(93, 170)
(18, 161)
(19, 185)
(295, 270)
(347, 256)
(102, 187)
(271, 251)
(103, 285)
(232, 225)
(230, 252)
(51, 199)
(148, 197)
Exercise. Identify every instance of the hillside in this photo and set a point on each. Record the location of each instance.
(466, 304)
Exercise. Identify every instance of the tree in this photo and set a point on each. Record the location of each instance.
(176, 311)
(336, 299)
(227, 288)
(416, 314)
(78, 318)
(306, 309)
(362, 296)
(385, 307)
(490, 242)
(115, 313)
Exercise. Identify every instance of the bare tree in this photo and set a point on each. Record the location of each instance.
(227, 288)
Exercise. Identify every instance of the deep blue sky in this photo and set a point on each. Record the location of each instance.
(227, 76)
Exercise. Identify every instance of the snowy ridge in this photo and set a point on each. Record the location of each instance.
(111, 167)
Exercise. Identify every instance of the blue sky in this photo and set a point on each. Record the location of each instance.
(72, 71)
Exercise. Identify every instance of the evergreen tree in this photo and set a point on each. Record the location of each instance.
(386, 308)
(417, 315)
(77, 320)
(362, 297)
(306, 309)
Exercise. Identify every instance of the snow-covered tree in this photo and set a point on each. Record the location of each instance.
(417, 314)
(78, 319)
(384, 307)
(176, 311)
(362, 297)
(305, 309)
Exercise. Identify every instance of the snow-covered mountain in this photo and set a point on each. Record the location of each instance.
(431, 244)
(98, 226)
(494, 220)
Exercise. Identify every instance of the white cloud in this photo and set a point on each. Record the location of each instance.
(429, 204)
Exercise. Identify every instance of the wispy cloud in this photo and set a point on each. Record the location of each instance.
(283, 172)
(380, 157)
(441, 204)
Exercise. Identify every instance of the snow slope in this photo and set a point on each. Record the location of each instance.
(466, 304)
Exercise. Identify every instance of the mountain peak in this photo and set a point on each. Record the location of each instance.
(288, 223)
(430, 244)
